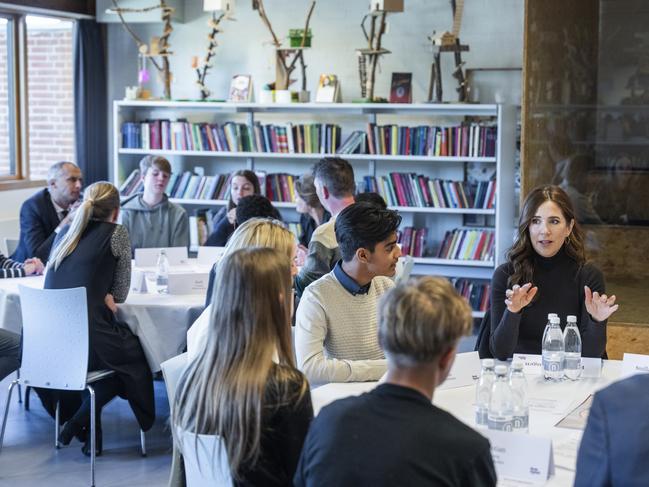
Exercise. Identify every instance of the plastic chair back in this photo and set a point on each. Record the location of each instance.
(206, 461)
(55, 337)
(11, 244)
(172, 369)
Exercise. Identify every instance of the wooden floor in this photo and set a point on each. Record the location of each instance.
(28, 457)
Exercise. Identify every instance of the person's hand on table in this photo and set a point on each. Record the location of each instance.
(599, 306)
(33, 266)
(518, 297)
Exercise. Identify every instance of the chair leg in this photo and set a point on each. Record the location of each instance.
(28, 389)
(93, 433)
(57, 425)
(4, 419)
(20, 392)
(143, 443)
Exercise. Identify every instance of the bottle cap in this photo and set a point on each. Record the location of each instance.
(517, 365)
(571, 319)
(501, 370)
(552, 315)
(488, 363)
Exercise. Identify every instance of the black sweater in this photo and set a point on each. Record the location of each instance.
(561, 290)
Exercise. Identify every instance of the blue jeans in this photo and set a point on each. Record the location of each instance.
(10, 352)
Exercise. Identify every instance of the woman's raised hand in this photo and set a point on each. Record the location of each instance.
(599, 306)
(518, 297)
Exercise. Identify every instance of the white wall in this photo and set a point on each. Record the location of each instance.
(10, 202)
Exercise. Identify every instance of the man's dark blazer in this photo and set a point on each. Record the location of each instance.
(615, 447)
(38, 220)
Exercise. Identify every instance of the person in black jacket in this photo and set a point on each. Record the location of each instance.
(394, 435)
(546, 273)
(94, 252)
(44, 214)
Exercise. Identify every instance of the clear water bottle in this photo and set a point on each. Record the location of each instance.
(501, 407)
(553, 351)
(162, 272)
(483, 392)
(521, 408)
(572, 342)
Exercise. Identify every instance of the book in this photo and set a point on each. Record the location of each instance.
(327, 89)
(241, 88)
(401, 88)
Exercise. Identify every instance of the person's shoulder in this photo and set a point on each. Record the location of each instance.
(458, 434)
(629, 391)
(382, 284)
(38, 199)
(590, 271)
(327, 282)
(326, 234)
(133, 203)
(176, 209)
(287, 383)
(341, 409)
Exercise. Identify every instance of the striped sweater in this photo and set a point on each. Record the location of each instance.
(10, 268)
(336, 332)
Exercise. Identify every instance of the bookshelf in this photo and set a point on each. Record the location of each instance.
(351, 117)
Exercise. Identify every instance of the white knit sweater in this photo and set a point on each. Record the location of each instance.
(336, 332)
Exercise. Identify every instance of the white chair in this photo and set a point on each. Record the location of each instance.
(10, 245)
(55, 351)
(206, 461)
(172, 370)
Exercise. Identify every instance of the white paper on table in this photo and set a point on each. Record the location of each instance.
(565, 451)
(577, 418)
(464, 372)
(548, 405)
(634, 363)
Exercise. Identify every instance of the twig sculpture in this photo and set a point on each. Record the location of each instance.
(371, 54)
(201, 70)
(162, 49)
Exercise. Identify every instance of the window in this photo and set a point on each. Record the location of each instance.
(36, 72)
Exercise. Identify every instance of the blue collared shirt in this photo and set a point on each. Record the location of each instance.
(351, 286)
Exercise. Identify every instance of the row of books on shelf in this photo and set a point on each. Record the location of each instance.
(278, 187)
(182, 135)
(466, 140)
(468, 244)
(412, 241)
(410, 189)
(477, 294)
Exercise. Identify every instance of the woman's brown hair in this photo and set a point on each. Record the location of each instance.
(222, 391)
(521, 254)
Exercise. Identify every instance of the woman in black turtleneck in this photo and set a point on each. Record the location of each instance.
(546, 273)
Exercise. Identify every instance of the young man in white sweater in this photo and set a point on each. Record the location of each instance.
(336, 323)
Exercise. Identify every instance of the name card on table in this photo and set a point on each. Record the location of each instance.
(464, 372)
(138, 281)
(634, 363)
(532, 364)
(149, 257)
(591, 367)
(188, 282)
(521, 457)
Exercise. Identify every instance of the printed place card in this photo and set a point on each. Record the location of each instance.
(532, 364)
(464, 372)
(634, 363)
(138, 281)
(591, 368)
(521, 457)
(188, 282)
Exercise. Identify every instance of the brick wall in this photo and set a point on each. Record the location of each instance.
(50, 98)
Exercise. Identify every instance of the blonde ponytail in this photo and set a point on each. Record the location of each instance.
(99, 201)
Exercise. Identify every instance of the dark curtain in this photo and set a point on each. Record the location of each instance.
(90, 113)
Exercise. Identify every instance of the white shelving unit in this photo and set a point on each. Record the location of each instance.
(350, 116)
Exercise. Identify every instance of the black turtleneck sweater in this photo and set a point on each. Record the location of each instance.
(561, 290)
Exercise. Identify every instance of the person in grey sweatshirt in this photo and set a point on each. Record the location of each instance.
(150, 218)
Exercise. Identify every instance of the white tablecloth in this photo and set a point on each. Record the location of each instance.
(160, 321)
(561, 397)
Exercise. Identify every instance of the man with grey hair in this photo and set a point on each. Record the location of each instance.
(45, 213)
(394, 435)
